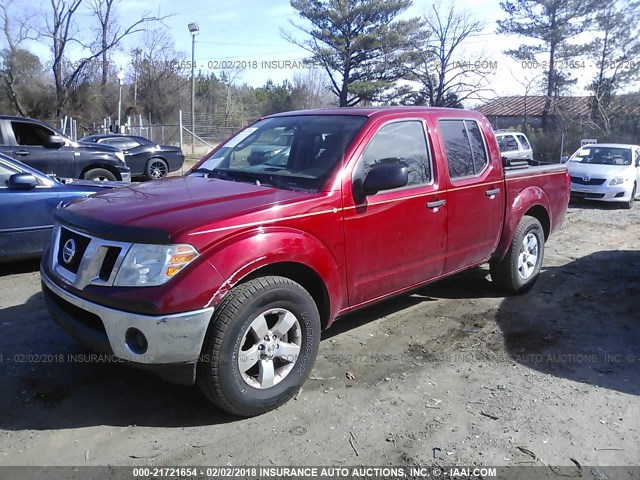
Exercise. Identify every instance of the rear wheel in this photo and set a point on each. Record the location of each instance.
(519, 269)
(156, 168)
(629, 204)
(260, 347)
(99, 175)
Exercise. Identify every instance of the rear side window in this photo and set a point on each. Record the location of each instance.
(524, 142)
(477, 146)
(464, 147)
(400, 143)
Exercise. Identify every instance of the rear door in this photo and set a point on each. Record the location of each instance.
(395, 238)
(30, 149)
(475, 195)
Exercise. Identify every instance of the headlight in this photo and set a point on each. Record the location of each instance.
(617, 181)
(150, 265)
(120, 156)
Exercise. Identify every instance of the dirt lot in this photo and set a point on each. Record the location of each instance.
(454, 374)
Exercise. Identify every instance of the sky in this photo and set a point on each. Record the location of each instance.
(248, 33)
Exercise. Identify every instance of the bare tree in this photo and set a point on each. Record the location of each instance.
(446, 74)
(14, 34)
(311, 90)
(60, 29)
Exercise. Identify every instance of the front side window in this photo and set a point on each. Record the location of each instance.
(292, 152)
(30, 134)
(400, 143)
(464, 147)
(5, 172)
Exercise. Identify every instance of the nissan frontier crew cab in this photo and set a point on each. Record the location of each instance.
(227, 276)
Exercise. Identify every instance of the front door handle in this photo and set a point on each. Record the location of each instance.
(22, 153)
(436, 204)
(492, 193)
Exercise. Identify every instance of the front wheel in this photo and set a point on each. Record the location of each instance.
(628, 205)
(99, 175)
(260, 347)
(519, 269)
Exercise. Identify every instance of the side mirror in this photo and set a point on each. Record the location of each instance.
(385, 177)
(564, 159)
(54, 141)
(22, 181)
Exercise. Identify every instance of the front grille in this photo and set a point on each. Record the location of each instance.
(71, 243)
(109, 262)
(89, 319)
(591, 181)
(594, 195)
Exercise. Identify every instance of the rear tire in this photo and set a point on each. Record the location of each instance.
(156, 169)
(519, 269)
(260, 346)
(628, 205)
(99, 175)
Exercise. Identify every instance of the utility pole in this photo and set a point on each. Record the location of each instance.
(193, 28)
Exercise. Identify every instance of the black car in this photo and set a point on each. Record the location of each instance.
(47, 150)
(144, 157)
(28, 199)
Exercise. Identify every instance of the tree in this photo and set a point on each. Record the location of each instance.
(311, 90)
(359, 43)
(615, 52)
(554, 24)
(60, 29)
(438, 62)
(160, 81)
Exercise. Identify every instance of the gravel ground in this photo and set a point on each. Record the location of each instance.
(454, 374)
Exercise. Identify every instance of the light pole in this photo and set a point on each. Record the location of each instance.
(193, 28)
(121, 82)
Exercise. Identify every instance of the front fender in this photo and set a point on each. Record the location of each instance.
(523, 202)
(241, 255)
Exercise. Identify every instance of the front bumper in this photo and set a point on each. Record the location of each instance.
(603, 193)
(171, 340)
(125, 173)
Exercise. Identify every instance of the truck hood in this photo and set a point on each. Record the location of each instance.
(177, 204)
(594, 170)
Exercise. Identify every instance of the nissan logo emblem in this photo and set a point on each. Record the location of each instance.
(586, 179)
(68, 250)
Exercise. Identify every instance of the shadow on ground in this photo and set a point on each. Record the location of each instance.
(580, 322)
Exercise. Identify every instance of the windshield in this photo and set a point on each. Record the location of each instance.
(296, 152)
(603, 155)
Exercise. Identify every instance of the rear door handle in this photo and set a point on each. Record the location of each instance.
(436, 204)
(492, 192)
(22, 153)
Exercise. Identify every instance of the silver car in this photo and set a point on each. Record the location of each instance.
(608, 172)
(514, 145)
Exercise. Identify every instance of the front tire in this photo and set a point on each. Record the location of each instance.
(99, 175)
(628, 205)
(260, 346)
(519, 269)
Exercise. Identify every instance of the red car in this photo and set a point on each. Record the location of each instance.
(227, 276)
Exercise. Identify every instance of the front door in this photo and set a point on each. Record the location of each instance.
(27, 215)
(30, 149)
(397, 238)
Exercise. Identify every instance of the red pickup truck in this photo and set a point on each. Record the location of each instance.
(226, 277)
